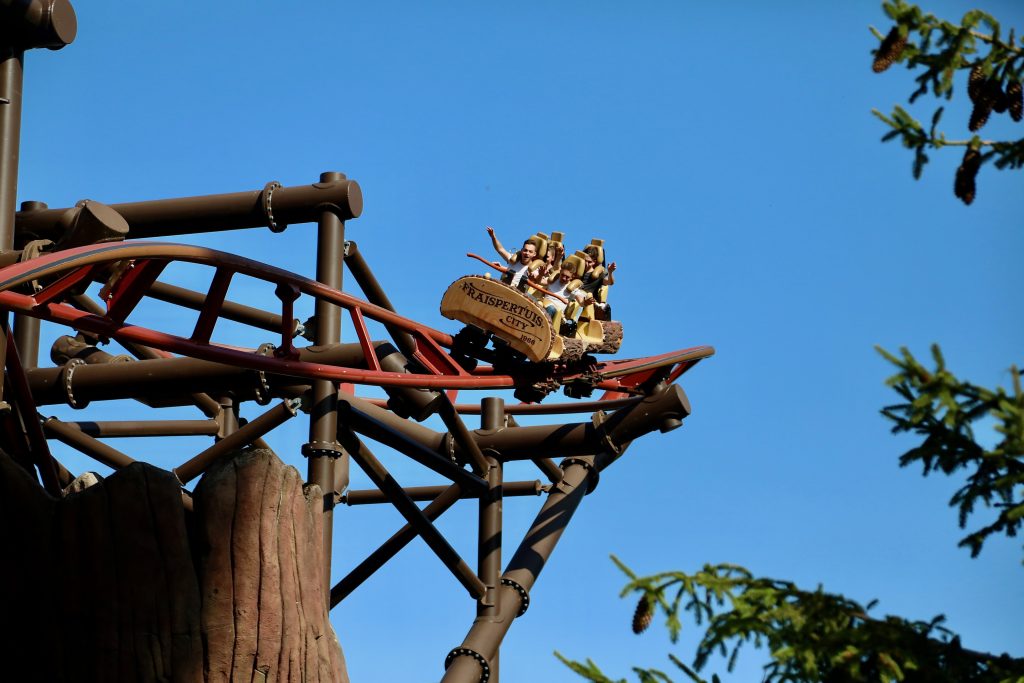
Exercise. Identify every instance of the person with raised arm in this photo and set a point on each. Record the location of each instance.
(519, 263)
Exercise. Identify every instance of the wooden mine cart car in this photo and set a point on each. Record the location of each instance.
(517, 320)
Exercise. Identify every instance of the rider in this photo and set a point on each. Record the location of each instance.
(596, 276)
(552, 265)
(567, 286)
(519, 264)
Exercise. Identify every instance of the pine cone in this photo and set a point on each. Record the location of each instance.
(963, 186)
(975, 83)
(981, 111)
(995, 93)
(643, 615)
(1015, 100)
(889, 51)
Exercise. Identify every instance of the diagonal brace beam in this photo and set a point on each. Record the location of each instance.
(379, 475)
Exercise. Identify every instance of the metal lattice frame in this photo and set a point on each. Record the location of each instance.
(416, 367)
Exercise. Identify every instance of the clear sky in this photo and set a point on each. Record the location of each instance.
(726, 153)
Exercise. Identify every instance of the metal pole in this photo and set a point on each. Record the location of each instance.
(204, 402)
(11, 74)
(94, 448)
(12, 62)
(133, 428)
(323, 450)
(427, 493)
(230, 310)
(375, 295)
(213, 213)
(236, 439)
(379, 475)
(419, 443)
(463, 439)
(470, 662)
(492, 417)
(401, 538)
(26, 328)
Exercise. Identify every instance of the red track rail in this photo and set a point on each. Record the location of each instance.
(143, 261)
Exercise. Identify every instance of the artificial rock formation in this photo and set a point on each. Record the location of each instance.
(117, 582)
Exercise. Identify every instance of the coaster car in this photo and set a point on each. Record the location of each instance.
(518, 319)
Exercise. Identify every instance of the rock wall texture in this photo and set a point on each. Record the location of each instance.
(117, 581)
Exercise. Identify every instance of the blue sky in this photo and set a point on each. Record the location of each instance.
(725, 152)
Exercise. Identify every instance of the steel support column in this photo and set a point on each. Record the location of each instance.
(12, 61)
(492, 417)
(379, 475)
(401, 538)
(323, 451)
(469, 662)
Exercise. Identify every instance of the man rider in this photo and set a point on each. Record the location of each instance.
(519, 269)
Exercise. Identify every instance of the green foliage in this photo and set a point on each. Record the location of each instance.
(811, 635)
(944, 410)
(938, 49)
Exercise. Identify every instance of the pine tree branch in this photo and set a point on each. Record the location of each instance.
(984, 37)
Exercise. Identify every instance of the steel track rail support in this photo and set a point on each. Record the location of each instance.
(26, 408)
(112, 429)
(429, 493)
(552, 471)
(94, 448)
(26, 328)
(473, 661)
(382, 426)
(322, 450)
(27, 24)
(380, 476)
(237, 439)
(375, 295)
(391, 547)
(463, 439)
(12, 64)
(492, 417)
(230, 310)
(214, 213)
(204, 402)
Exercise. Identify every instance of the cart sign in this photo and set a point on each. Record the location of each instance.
(500, 309)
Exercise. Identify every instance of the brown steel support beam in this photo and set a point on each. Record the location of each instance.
(324, 454)
(26, 338)
(37, 23)
(237, 439)
(492, 416)
(157, 378)
(552, 471)
(89, 305)
(131, 428)
(379, 475)
(203, 401)
(240, 313)
(375, 295)
(12, 62)
(95, 449)
(663, 411)
(26, 408)
(466, 663)
(463, 439)
(214, 213)
(391, 547)
(26, 328)
(177, 377)
(397, 433)
(427, 493)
